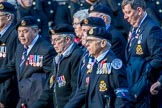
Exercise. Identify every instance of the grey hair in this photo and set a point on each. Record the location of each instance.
(72, 36)
(81, 14)
(11, 14)
(134, 4)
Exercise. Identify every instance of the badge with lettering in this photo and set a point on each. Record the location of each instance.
(52, 78)
(61, 81)
(139, 49)
(102, 86)
(116, 63)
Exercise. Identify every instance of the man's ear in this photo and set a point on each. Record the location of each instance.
(103, 43)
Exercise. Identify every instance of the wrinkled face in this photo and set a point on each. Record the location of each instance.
(27, 3)
(59, 43)
(4, 19)
(84, 32)
(77, 27)
(131, 15)
(26, 35)
(93, 45)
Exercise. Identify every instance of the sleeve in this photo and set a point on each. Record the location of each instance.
(119, 84)
(46, 99)
(8, 71)
(77, 100)
(75, 68)
(155, 48)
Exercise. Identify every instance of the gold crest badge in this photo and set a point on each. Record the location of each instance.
(85, 21)
(102, 86)
(139, 50)
(91, 31)
(1, 6)
(23, 23)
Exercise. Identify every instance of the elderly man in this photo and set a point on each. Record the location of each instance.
(118, 41)
(143, 54)
(32, 62)
(65, 64)
(105, 82)
(90, 22)
(8, 42)
(33, 8)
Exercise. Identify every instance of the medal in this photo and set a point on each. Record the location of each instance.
(52, 81)
(102, 86)
(89, 67)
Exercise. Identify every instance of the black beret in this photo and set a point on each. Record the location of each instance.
(27, 21)
(93, 22)
(62, 29)
(99, 32)
(101, 8)
(7, 7)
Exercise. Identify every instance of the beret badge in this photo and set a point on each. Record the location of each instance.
(1, 6)
(85, 21)
(91, 31)
(23, 23)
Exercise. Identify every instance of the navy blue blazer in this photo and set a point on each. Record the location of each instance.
(144, 60)
(34, 75)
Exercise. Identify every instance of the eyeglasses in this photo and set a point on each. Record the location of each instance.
(76, 23)
(92, 40)
(57, 39)
(3, 15)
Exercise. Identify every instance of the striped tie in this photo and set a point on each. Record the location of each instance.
(24, 55)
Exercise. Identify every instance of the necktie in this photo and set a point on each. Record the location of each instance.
(58, 58)
(24, 55)
(132, 38)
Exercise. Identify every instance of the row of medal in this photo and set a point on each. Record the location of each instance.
(35, 60)
(61, 81)
(103, 67)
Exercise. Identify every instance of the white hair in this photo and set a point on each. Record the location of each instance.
(81, 14)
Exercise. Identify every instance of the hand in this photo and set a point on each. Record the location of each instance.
(1, 105)
(155, 88)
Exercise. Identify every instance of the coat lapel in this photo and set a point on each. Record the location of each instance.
(95, 76)
(134, 43)
(19, 56)
(34, 50)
